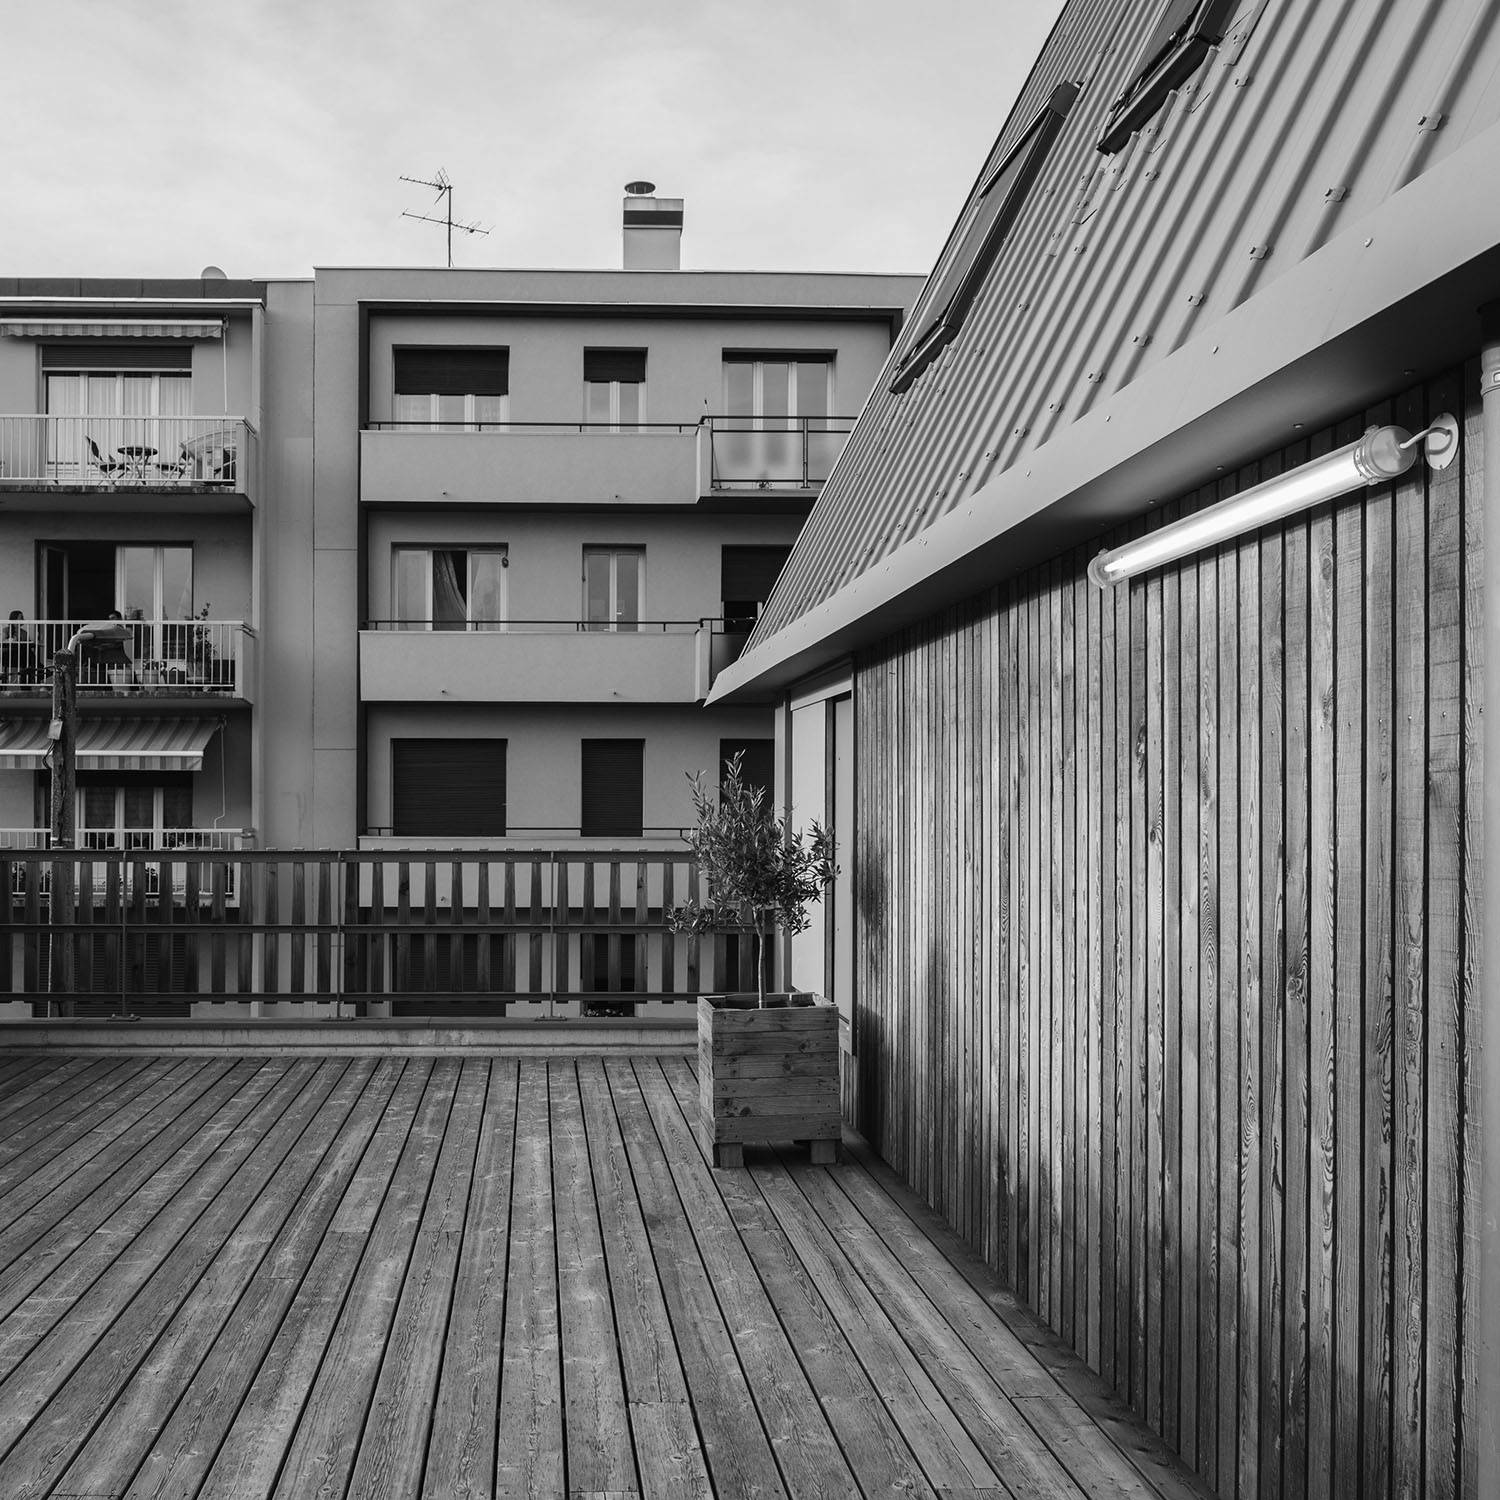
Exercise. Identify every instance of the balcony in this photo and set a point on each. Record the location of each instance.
(545, 463)
(537, 661)
(208, 461)
(189, 660)
(582, 463)
(790, 454)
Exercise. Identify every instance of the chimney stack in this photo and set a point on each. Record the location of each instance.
(653, 229)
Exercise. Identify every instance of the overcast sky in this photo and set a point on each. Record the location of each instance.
(154, 137)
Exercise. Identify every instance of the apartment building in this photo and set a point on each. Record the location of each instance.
(408, 557)
(137, 481)
(548, 506)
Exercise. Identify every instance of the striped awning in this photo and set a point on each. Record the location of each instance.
(111, 744)
(118, 328)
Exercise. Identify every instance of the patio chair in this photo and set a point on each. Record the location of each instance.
(100, 462)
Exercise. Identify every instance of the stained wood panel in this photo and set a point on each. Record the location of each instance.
(1188, 935)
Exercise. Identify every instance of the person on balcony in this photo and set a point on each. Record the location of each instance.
(18, 663)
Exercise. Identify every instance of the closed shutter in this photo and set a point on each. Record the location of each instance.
(615, 364)
(452, 372)
(612, 788)
(117, 357)
(448, 788)
(757, 763)
(750, 573)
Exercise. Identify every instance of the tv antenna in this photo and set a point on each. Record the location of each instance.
(444, 188)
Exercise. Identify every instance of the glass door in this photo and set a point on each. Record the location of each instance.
(614, 586)
(153, 586)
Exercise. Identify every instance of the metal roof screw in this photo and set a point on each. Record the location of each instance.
(1336, 195)
(1195, 299)
(1142, 339)
(1434, 121)
(1259, 252)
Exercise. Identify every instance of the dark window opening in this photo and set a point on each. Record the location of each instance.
(448, 788)
(757, 763)
(747, 576)
(977, 240)
(1186, 33)
(612, 788)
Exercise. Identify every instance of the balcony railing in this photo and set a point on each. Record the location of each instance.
(768, 453)
(120, 452)
(132, 840)
(165, 657)
(146, 876)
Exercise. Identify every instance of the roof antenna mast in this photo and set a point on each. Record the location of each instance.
(444, 189)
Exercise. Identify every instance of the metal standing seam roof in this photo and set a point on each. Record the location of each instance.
(1310, 114)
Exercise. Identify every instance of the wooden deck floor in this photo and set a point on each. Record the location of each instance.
(399, 1276)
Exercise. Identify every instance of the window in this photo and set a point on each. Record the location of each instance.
(777, 390)
(448, 588)
(1187, 31)
(747, 576)
(757, 763)
(463, 389)
(119, 397)
(614, 388)
(134, 815)
(976, 241)
(448, 788)
(614, 587)
(612, 796)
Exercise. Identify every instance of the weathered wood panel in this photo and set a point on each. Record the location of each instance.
(1188, 936)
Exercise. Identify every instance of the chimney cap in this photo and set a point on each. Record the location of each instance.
(640, 189)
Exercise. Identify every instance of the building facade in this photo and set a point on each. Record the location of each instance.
(408, 558)
(1168, 918)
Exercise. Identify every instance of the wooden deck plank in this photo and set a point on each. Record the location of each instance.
(74, 1371)
(182, 1451)
(529, 1437)
(47, 1080)
(461, 1447)
(877, 1453)
(391, 1456)
(287, 1217)
(96, 1283)
(44, 1180)
(253, 1448)
(596, 1418)
(739, 1456)
(34, 1242)
(333, 1422)
(473, 1277)
(25, 1146)
(806, 1451)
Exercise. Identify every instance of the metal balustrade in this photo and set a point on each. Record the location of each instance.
(38, 450)
(773, 452)
(501, 932)
(166, 657)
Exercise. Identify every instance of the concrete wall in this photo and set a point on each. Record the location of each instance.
(543, 759)
(684, 357)
(545, 578)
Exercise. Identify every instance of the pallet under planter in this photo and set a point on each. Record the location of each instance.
(768, 1074)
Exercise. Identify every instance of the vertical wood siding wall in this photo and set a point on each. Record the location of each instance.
(1167, 924)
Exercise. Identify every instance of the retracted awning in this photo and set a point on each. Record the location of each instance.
(111, 744)
(116, 328)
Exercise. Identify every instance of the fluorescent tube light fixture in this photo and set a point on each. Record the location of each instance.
(1381, 455)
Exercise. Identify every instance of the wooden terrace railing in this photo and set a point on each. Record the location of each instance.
(513, 932)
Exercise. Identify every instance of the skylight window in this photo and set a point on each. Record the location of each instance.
(1186, 33)
(977, 239)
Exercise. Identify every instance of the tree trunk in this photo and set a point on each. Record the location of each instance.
(760, 965)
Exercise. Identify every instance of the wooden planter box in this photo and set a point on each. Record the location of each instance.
(767, 1075)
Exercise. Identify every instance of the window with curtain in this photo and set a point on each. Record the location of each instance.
(448, 588)
(136, 814)
(457, 389)
(614, 386)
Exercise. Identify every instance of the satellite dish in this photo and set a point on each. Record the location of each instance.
(212, 273)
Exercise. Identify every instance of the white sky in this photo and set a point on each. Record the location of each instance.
(154, 137)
